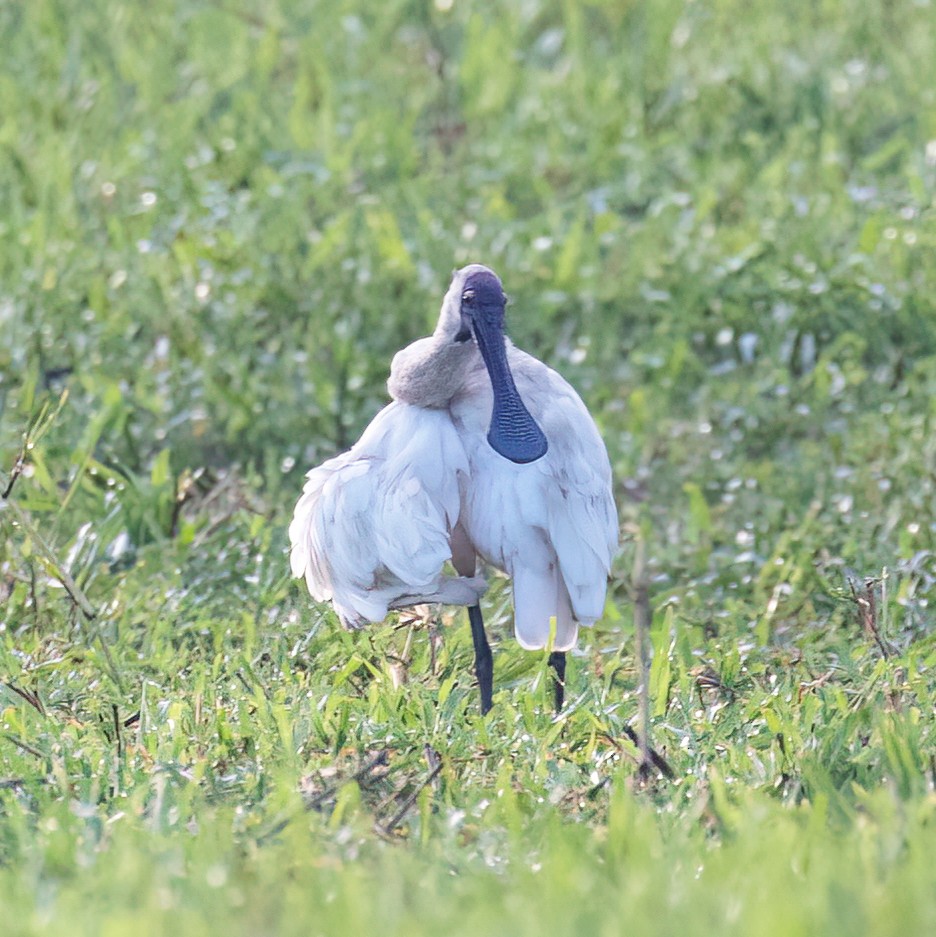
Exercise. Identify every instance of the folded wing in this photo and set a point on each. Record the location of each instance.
(373, 527)
(550, 524)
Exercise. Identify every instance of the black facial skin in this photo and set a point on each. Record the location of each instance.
(483, 301)
(513, 432)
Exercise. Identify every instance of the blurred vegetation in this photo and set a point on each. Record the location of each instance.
(219, 221)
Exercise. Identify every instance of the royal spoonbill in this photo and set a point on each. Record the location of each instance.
(483, 452)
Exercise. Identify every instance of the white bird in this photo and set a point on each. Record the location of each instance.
(484, 452)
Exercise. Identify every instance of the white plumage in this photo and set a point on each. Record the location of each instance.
(549, 524)
(484, 451)
(372, 529)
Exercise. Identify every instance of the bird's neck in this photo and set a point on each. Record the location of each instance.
(429, 372)
(513, 433)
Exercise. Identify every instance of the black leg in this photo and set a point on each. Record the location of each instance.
(557, 660)
(484, 661)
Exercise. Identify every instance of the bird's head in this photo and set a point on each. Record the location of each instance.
(475, 299)
(482, 302)
(474, 309)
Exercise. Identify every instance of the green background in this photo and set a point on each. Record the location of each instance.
(218, 222)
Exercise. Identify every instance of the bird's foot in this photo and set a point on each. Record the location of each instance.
(447, 590)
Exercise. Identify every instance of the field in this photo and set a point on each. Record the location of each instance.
(219, 221)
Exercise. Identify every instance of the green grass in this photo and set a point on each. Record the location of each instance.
(218, 222)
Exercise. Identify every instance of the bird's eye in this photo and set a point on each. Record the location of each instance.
(468, 296)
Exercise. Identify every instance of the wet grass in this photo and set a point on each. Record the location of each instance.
(218, 225)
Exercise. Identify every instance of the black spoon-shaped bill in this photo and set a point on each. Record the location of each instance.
(513, 432)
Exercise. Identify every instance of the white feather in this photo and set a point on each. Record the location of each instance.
(550, 524)
(375, 526)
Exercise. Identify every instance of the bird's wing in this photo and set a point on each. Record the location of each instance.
(304, 559)
(550, 524)
(515, 518)
(581, 518)
(374, 523)
(417, 502)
